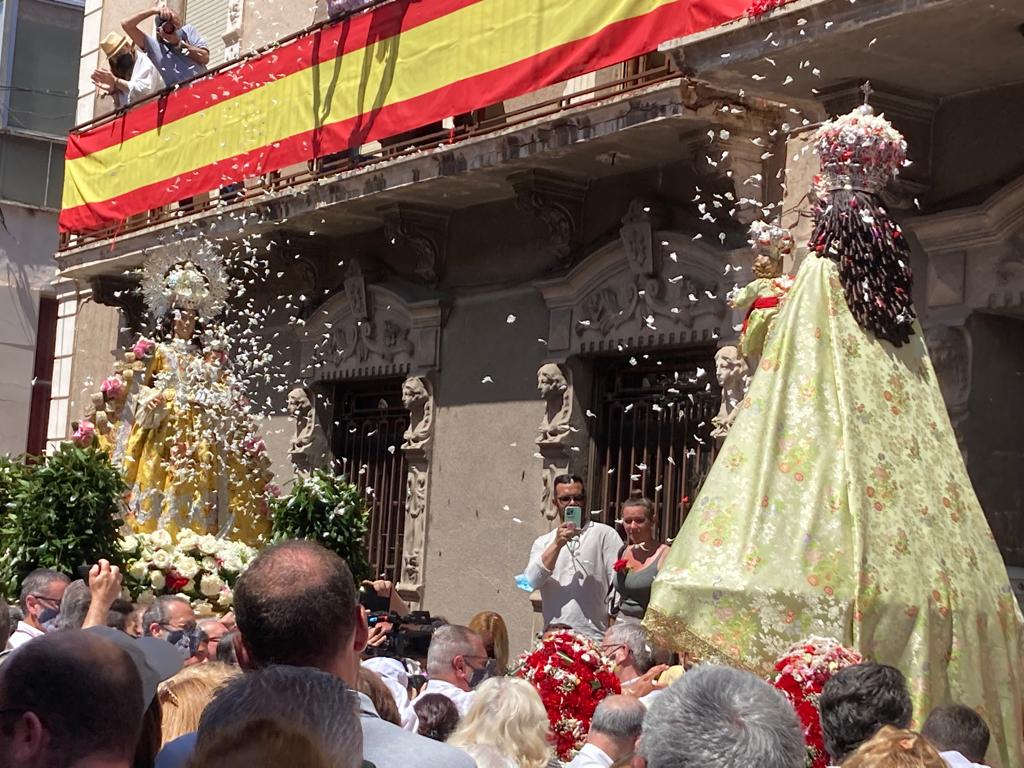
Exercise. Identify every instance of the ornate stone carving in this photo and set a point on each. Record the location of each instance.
(554, 387)
(232, 34)
(367, 330)
(608, 302)
(733, 375)
(423, 232)
(556, 442)
(638, 235)
(951, 353)
(417, 398)
(308, 448)
(556, 200)
(355, 291)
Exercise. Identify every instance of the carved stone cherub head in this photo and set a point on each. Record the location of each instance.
(551, 381)
(730, 367)
(299, 403)
(414, 392)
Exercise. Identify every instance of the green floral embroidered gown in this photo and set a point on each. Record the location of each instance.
(840, 506)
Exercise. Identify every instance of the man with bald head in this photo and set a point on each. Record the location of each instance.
(72, 699)
(614, 729)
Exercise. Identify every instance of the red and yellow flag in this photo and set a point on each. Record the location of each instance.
(404, 65)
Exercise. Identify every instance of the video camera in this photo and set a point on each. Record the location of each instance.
(406, 636)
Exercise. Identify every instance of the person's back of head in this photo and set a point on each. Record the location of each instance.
(259, 742)
(895, 748)
(69, 696)
(383, 701)
(226, 649)
(184, 697)
(494, 633)
(438, 716)
(296, 604)
(302, 697)
(956, 728)
(74, 605)
(719, 717)
(620, 719)
(507, 715)
(857, 701)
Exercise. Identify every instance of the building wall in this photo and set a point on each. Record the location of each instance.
(27, 243)
(485, 485)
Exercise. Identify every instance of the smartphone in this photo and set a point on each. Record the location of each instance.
(574, 514)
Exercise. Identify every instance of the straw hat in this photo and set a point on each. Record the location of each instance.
(113, 43)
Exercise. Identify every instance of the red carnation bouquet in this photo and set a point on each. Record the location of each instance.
(801, 675)
(572, 676)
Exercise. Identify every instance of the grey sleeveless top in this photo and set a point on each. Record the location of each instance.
(634, 590)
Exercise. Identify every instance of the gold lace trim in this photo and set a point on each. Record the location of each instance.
(672, 633)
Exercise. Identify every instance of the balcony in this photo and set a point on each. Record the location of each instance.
(578, 89)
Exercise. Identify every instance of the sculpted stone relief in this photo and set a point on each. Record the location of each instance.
(368, 330)
(417, 396)
(951, 353)
(553, 385)
(308, 448)
(733, 375)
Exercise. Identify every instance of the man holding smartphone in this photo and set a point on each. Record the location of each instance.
(572, 565)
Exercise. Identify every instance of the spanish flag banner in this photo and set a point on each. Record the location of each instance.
(401, 66)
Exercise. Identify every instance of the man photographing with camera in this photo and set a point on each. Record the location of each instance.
(572, 565)
(176, 50)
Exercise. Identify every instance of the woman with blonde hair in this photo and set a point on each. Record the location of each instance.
(492, 630)
(184, 697)
(506, 727)
(895, 748)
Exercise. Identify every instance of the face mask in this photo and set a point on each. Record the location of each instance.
(479, 675)
(185, 640)
(47, 615)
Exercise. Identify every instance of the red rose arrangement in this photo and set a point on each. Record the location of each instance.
(572, 676)
(620, 565)
(801, 675)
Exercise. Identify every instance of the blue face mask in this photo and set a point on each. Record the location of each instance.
(483, 673)
(46, 616)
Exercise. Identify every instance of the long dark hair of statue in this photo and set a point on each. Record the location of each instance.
(853, 229)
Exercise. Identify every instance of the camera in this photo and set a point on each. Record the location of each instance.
(167, 25)
(407, 636)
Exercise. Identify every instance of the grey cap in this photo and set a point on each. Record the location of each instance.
(156, 659)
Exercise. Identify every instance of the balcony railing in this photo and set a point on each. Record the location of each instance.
(346, 94)
(642, 74)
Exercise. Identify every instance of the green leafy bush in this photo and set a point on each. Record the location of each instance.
(60, 512)
(327, 509)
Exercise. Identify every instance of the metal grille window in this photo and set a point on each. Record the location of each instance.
(653, 434)
(369, 424)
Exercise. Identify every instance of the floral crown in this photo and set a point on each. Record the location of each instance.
(859, 151)
(771, 240)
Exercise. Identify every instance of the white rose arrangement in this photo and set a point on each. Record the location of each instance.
(203, 569)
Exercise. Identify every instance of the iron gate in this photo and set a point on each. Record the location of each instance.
(653, 433)
(367, 444)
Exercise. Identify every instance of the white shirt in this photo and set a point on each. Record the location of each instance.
(955, 760)
(462, 700)
(575, 593)
(23, 634)
(145, 81)
(591, 756)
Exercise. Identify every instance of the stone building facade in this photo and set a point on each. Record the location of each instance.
(548, 295)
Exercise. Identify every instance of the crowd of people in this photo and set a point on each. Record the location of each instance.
(295, 675)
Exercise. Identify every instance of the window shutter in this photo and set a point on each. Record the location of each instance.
(210, 18)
